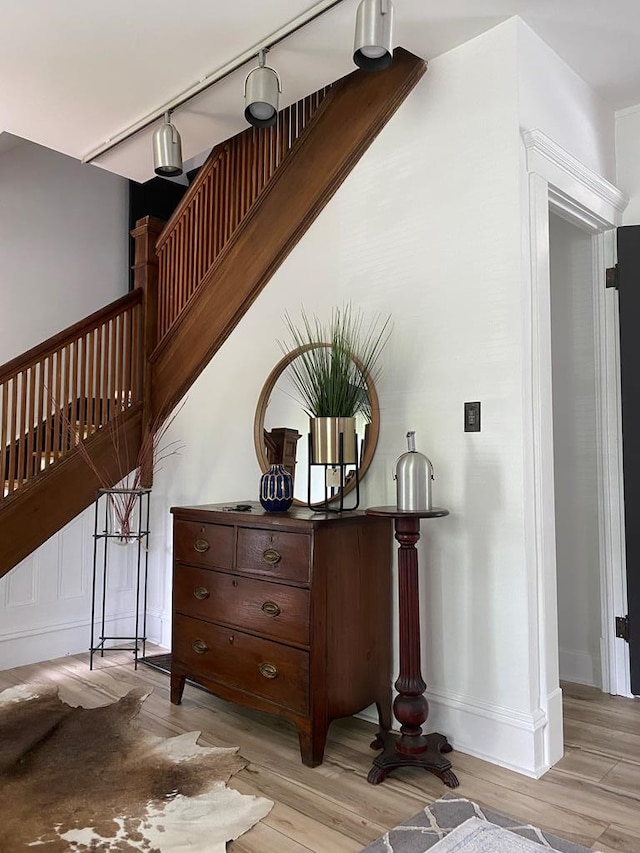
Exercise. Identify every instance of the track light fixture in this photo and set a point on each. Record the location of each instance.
(373, 43)
(262, 89)
(373, 49)
(167, 149)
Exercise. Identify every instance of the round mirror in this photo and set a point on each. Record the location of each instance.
(281, 436)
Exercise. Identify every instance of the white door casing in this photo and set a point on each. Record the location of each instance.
(560, 183)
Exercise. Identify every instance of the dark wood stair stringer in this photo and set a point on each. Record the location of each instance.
(46, 504)
(354, 112)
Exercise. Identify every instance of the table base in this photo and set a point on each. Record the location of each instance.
(430, 758)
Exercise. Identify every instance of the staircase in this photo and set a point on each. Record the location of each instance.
(120, 372)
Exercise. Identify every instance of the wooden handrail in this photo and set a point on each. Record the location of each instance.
(103, 315)
(214, 155)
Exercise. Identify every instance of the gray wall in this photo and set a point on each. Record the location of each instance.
(63, 244)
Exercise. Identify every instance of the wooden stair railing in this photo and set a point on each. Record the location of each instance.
(66, 389)
(52, 439)
(225, 190)
(90, 372)
(251, 203)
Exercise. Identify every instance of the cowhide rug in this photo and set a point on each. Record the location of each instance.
(77, 779)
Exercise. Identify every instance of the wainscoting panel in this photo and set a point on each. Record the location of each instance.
(45, 601)
(73, 555)
(21, 587)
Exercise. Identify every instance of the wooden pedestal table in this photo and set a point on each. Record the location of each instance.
(411, 748)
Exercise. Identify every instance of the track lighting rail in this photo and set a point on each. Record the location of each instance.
(209, 80)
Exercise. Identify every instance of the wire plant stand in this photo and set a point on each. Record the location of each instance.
(341, 466)
(107, 536)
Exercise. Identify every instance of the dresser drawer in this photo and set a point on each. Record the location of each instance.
(273, 553)
(204, 544)
(271, 609)
(261, 667)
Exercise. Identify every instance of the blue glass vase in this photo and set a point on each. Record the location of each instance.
(276, 489)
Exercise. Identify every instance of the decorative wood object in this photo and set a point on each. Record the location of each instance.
(412, 748)
(281, 445)
(145, 276)
(288, 613)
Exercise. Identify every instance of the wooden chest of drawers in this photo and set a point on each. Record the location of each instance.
(284, 612)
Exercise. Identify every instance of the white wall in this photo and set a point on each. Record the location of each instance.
(553, 99)
(426, 228)
(63, 231)
(628, 160)
(575, 453)
(63, 255)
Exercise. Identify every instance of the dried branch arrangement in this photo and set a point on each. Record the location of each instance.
(153, 451)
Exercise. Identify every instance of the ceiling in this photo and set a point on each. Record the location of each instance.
(76, 73)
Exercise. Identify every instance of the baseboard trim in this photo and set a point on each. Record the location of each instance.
(20, 648)
(580, 668)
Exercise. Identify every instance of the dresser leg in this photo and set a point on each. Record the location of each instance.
(177, 688)
(384, 713)
(312, 745)
(384, 723)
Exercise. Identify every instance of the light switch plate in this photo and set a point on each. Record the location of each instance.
(472, 417)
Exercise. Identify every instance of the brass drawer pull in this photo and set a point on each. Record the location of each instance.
(200, 647)
(201, 546)
(270, 608)
(268, 670)
(201, 592)
(271, 556)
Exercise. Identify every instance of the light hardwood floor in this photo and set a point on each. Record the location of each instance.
(592, 796)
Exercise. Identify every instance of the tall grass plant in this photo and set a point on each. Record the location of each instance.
(336, 361)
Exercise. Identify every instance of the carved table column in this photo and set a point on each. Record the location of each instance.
(411, 748)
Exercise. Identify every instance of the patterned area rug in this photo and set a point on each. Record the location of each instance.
(427, 829)
(78, 779)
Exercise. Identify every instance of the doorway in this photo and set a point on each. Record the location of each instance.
(557, 182)
(575, 453)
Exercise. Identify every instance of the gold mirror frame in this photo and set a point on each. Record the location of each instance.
(261, 410)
